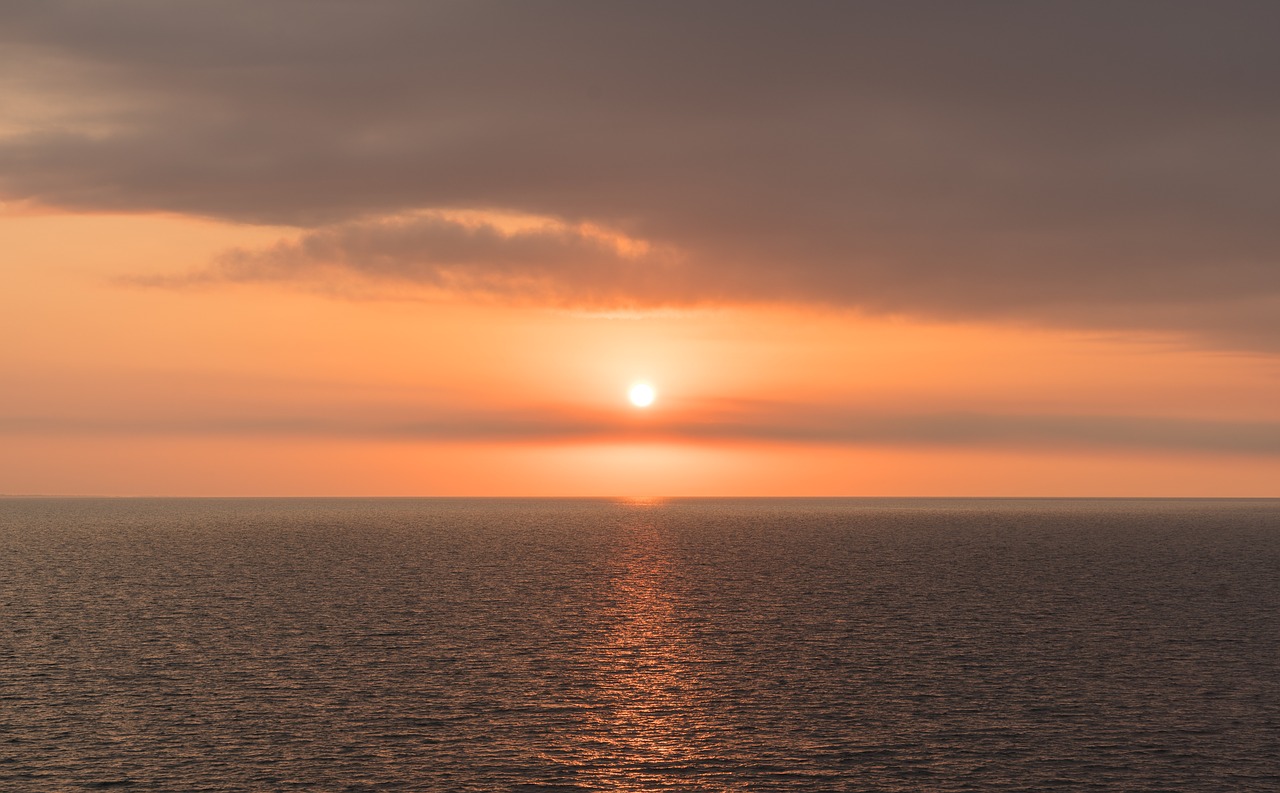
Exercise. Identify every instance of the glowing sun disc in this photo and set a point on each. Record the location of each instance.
(641, 395)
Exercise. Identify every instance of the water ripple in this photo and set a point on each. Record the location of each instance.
(543, 645)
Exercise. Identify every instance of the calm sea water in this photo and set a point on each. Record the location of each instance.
(547, 645)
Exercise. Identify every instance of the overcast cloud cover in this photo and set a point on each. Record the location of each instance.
(1095, 164)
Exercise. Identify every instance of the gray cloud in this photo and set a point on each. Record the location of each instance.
(541, 260)
(1081, 163)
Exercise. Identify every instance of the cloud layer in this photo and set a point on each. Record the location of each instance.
(1088, 163)
(528, 258)
(776, 423)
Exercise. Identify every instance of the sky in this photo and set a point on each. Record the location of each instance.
(425, 248)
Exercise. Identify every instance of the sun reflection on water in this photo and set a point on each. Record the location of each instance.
(653, 718)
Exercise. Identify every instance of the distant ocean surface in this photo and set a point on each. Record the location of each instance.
(566, 645)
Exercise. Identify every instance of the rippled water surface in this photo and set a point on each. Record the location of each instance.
(226, 645)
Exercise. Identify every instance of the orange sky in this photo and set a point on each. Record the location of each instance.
(118, 388)
(410, 248)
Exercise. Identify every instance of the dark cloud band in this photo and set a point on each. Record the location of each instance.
(773, 424)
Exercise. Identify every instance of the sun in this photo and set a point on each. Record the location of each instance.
(641, 395)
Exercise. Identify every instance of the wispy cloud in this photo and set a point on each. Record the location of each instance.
(513, 256)
(787, 424)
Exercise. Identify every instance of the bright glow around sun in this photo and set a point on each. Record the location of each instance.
(641, 395)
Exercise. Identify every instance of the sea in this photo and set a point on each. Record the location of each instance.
(636, 645)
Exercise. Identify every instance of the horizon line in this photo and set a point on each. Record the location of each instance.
(636, 498)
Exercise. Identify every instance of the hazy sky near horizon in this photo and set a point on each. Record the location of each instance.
(983, 248)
